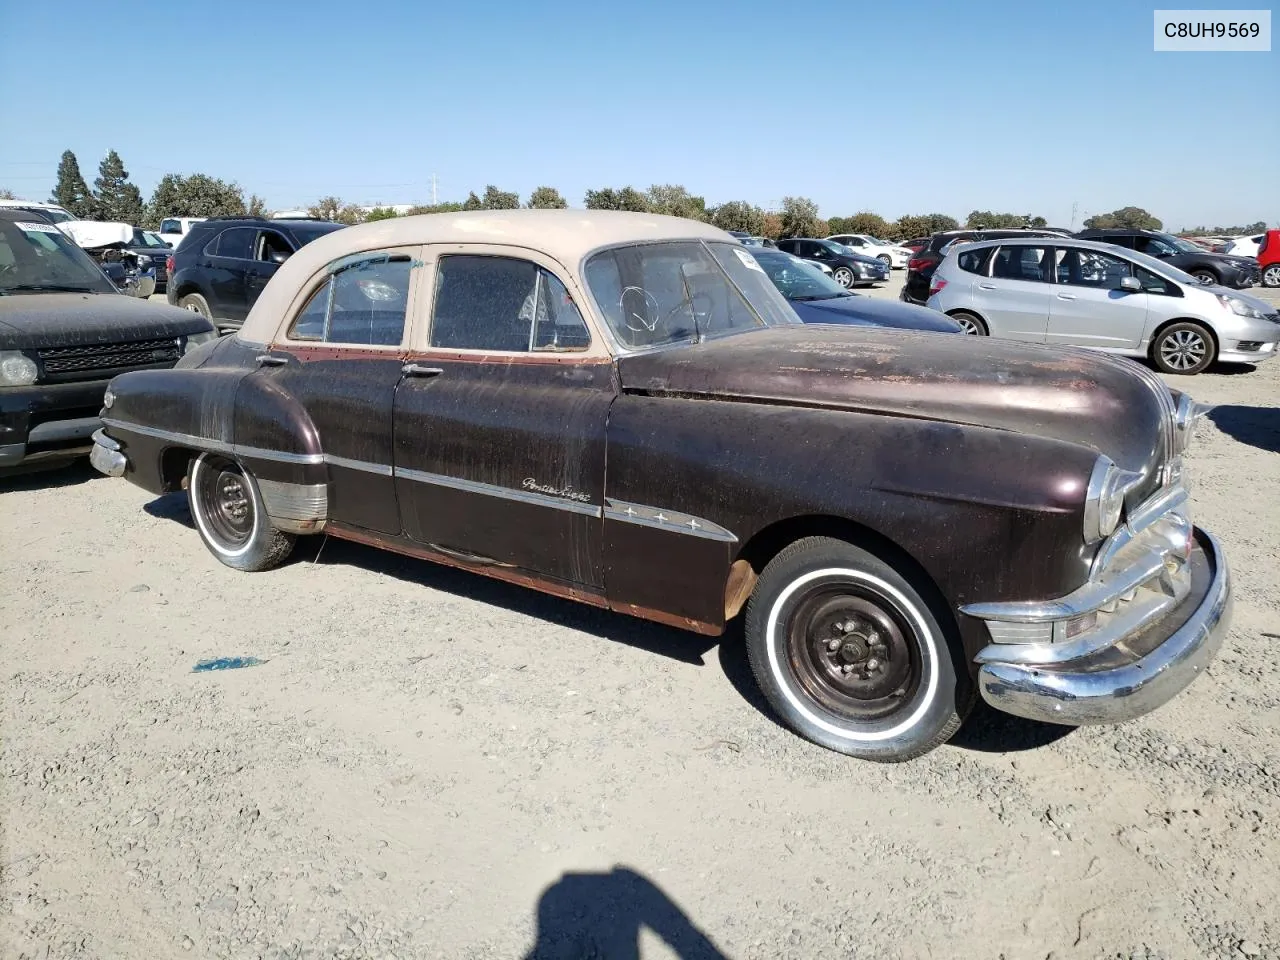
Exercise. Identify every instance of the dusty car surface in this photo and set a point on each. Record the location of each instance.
(621, 409)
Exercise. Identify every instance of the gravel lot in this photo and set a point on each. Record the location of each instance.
(430, 764)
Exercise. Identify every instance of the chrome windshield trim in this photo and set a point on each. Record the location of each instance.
(493, 490)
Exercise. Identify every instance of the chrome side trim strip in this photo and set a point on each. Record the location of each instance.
(381, 469)
(673, 521)
(492, 490)
(260, 453)
(216, 446)
(295, 501)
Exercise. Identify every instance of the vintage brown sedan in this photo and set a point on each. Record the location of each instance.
(620, 409)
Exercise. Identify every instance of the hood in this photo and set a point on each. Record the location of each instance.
(33, 321)
(1107, 404)
(860, 258)
(867, 311)
(94, 233)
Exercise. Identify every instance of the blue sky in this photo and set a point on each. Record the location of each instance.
(892, 107)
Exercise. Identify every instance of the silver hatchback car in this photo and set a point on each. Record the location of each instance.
(1082, 293)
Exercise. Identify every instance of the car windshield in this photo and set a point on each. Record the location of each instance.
(145, 238)
(307, 232)
(838, 248)
(1162, 267)
(1186, 246)
(56, 214)
(656, 294)
(40, 258)
(798, 280)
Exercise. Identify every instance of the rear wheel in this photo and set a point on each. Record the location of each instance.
(228, 511)
(1271, 275)
(196, 304)
(1183, 347)
(970, 323)
(843, 276)
(850, 655)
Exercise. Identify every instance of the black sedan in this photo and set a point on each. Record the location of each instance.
(816, 298)
(848, 269)
(1207, 267)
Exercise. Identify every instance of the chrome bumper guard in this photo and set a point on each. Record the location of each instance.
(106, 456)
(1151, 616)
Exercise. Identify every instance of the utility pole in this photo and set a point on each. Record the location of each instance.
(434, 201)
(1074, 207)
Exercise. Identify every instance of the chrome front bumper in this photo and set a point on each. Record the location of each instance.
(1134, 675)
(106, 456)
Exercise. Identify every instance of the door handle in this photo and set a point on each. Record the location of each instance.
(416, 370)
(267, 360)
(987, 286)
(1066, 296)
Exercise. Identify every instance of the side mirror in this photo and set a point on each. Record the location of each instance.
(278, 256)
(1130, 284)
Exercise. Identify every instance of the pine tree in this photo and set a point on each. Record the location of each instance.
(72, 192)
(118, 199)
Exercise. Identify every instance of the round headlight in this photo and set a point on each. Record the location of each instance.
(1104, 502)
(17, 369)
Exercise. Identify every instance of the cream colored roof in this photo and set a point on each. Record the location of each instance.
(565, 235)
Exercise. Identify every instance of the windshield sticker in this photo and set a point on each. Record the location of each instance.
(36, 227)
(748, 260)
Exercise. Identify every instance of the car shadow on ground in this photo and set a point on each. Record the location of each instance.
(171, 506)
(1256, 426)
(602, 914)
(47, 478)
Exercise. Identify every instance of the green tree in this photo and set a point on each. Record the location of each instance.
(739, 215)
(7, 195)
(118, 200)
(1133, 218)
(473, 202)
(198, 195)
(674, 200)
(547, 198)
(448, 207)
(71, 191)
(380, 213)
(326, 208)
(1037, 222)
(800, 217)
(772, 226)
(606, 198)
(864, 222)
(257, 206)
(921, 225)
(495, 199)
(987, 220)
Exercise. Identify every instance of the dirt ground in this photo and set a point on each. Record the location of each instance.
(430, 764)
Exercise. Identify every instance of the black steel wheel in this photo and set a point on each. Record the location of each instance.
(852, 656)
(227, 508)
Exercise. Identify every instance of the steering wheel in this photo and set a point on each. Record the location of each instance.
(637, 305)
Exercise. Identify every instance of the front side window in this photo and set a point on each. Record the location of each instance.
(661, 293)
(1155, 247)
(236, 243)
(1091, 268)
(503, 304)
(363, 301)
(1021, 263)
(272, 247)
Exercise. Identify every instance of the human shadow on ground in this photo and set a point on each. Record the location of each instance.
(601, 915)
(1256, 426)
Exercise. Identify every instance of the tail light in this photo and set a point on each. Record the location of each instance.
(917, 263)
(168, 264)
(936, 287)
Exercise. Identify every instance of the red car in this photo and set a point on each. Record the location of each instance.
(1269, 258)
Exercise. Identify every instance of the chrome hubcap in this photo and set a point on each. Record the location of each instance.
(967, 326)
(1271, 276)
(1183, 349)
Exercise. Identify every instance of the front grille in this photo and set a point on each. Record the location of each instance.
(109, 356)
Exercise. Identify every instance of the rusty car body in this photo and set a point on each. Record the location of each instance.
(621, 410)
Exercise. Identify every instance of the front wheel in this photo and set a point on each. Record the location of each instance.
(1271, 275)
(1183, 348)
(227, 508)
(843, 276)
(850, 655)
(886, 260)
(1205, 276)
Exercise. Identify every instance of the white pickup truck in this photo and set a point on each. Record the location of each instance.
(173, 229)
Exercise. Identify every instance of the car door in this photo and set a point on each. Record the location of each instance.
(500, 420)
(1089, 307)
(227, 258)
(1015, 298)
(340, 356)
(270, 249)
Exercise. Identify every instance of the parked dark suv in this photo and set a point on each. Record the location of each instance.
(920, 267)
(224, 263)
(1206, 267)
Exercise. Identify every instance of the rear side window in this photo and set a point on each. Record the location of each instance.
(236, 243)
(1020, 263)
(503, 304)
(363, 302)
(170, 226)
(975, 261)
